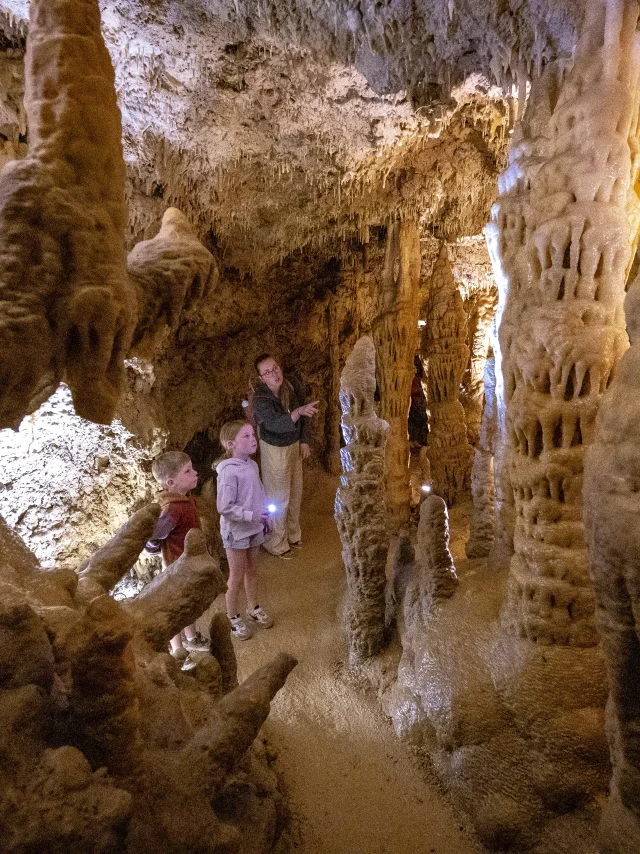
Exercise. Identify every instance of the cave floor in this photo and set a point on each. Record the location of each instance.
(353, 787)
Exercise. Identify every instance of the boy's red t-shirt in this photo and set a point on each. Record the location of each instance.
(179, 515)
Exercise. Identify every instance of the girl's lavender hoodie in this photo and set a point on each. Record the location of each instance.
(241, 498)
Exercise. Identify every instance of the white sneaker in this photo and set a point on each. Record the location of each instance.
(239, 629)
(260, 617)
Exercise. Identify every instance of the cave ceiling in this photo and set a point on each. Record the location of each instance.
(298, 123)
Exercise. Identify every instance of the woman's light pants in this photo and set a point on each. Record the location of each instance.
(282, 479)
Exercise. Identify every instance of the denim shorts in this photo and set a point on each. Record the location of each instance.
(244, 543)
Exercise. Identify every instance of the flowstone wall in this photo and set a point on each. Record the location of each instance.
(566, 223)
(514, 721)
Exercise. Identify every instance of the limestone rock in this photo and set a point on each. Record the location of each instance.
(105, 744)
(360, 504)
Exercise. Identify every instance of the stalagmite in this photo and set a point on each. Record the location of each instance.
(222, 650)
(359, 507)
(395, 336)
(612, 510)
(434, 561)
(482, 477)
(567, 220)
(443, 344)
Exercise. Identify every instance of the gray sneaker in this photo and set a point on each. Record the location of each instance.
(259, 617)
(239, 629)
(197, 644)
(184, 659)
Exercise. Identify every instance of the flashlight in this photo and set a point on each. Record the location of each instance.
(426, 487)
(271, 508)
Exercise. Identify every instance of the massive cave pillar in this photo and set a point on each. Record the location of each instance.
(359, 507)
(482, 311)
(395, 336)
(566, 222)
(443, 344)
(612, 510)
(483, 491)
(332, 431)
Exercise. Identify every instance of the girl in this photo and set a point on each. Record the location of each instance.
(243, 521)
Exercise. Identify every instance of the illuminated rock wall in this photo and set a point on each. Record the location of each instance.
(566, 221)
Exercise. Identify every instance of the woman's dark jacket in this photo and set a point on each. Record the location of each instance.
(276, 426)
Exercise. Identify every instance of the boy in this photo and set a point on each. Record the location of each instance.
(175, 473)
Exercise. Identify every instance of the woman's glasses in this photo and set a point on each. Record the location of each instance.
(270, 373)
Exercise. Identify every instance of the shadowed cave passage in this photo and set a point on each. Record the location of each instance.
(347, 186)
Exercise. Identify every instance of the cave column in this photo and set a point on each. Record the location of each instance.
(333, 408)
(443, 345)
(359, 507)
(564, 228)
(395, 337)
(483, 307)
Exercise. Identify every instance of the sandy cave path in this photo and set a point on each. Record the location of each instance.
(353, 787)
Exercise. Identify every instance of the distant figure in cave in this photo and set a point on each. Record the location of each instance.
(418, 423)
(283, 420)
(175, 473)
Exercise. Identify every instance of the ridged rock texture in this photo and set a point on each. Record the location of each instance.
(69, 307)
(612, 504)
(444, 347)
(433, 555)
(567, 218)
(106, 745)
(481, 308)
(395, 333)
(360, 504)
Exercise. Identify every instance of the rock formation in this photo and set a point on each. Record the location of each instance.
(68, 307)
(567, 218)
(482, 308)
(106, 745)
(443, 345)
(611, 490)
(395, 335)
(360, 503)
(433, 556)
(482, 529)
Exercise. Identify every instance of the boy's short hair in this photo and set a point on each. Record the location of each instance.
(168, 465)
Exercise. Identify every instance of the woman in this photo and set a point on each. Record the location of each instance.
(282, 417)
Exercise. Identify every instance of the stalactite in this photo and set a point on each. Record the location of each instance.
(395, 336)
(443, 345)
(359, 508)
(566, 223)
(66, 305)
